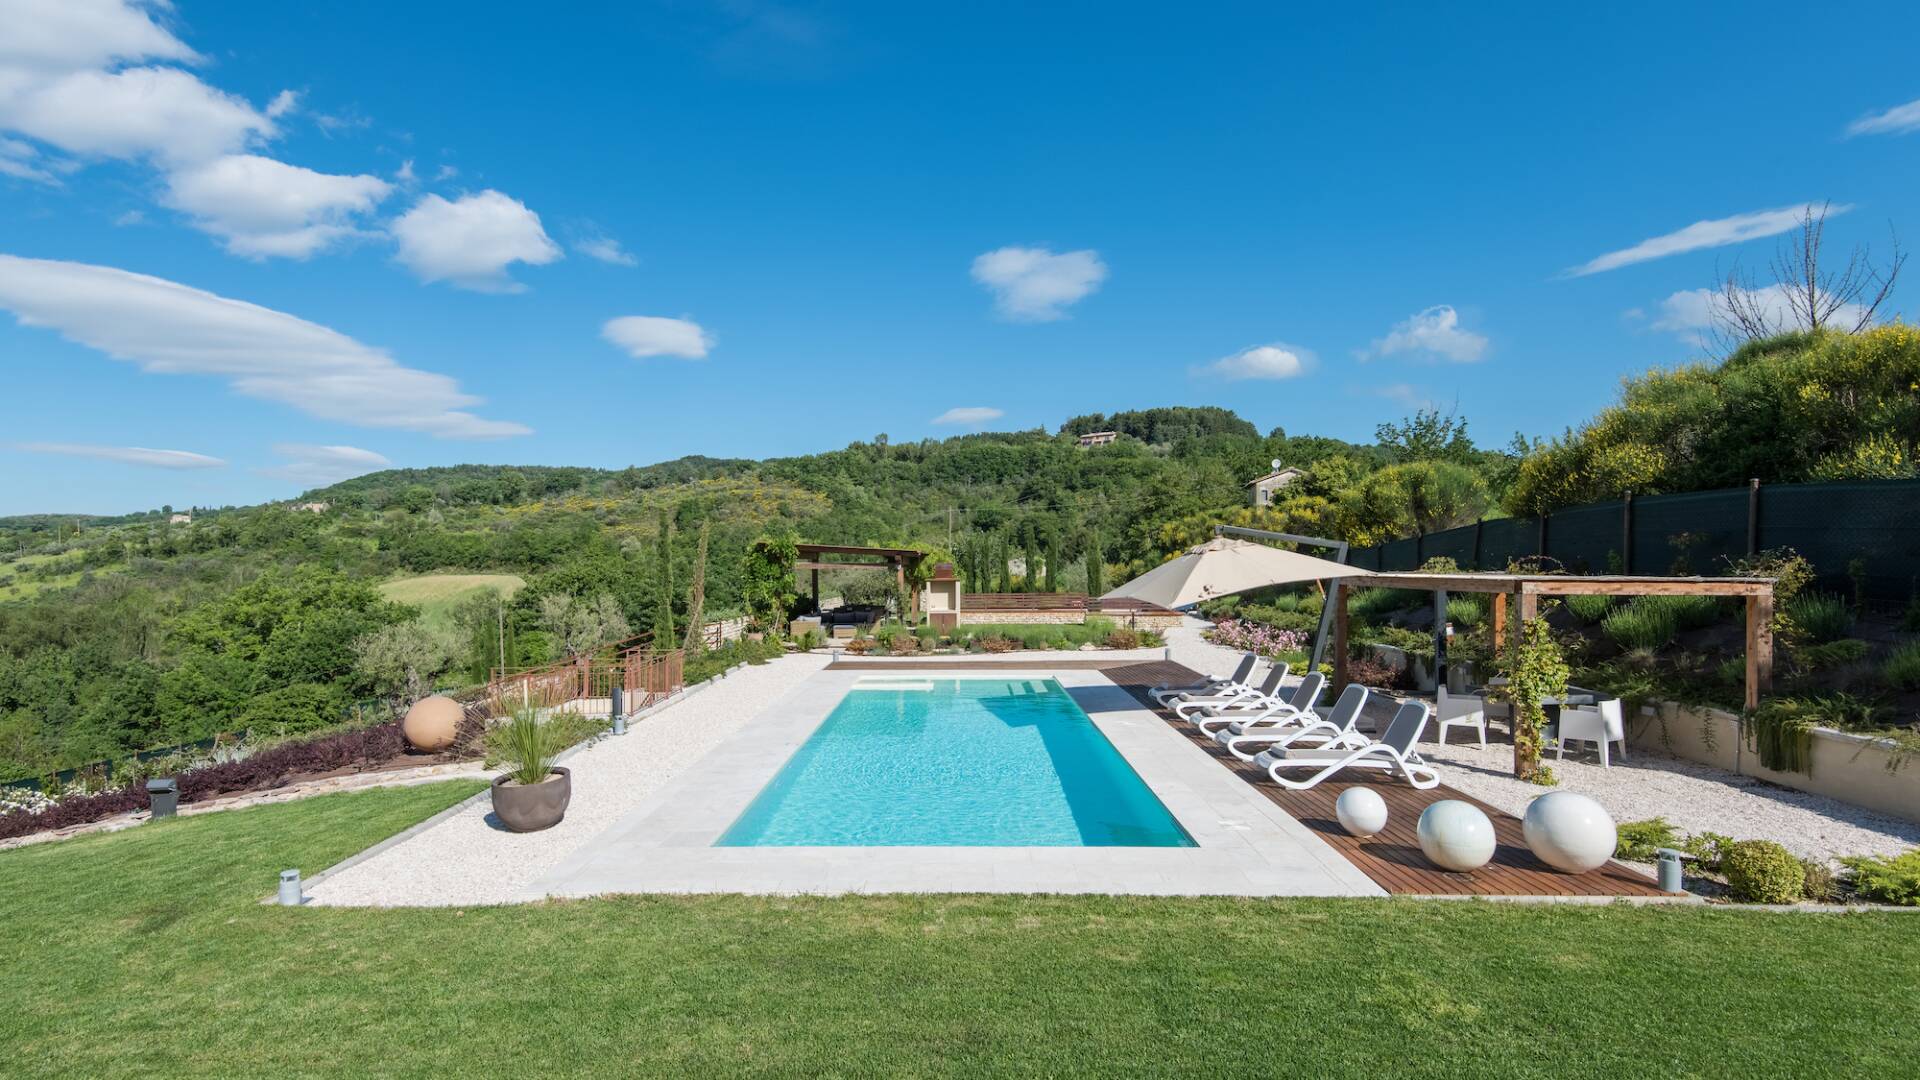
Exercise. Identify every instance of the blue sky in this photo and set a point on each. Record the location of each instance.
(246, 249)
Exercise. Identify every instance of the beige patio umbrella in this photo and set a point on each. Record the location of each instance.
(1224, 566)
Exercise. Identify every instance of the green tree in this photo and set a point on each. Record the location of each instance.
(1096, 567)
(399, 662)
(663, 611)
(1427, 435)
(767, 578)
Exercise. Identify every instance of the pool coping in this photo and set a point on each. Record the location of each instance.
(1245, 845)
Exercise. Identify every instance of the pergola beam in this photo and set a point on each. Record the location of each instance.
(1571, 585)
(1525, 591)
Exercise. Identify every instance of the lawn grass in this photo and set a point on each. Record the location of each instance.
(146, 952)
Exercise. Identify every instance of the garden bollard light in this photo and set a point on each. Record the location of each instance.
(619, 710)
(163, 796)
(1670, 878)
(290, 889)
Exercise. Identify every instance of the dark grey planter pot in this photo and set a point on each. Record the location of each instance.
(530, 808)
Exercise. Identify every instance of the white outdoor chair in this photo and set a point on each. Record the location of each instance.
(1599, 724)
(1240, 680)
(1275, 709)
(1337, 728)
(1394, 753)
(1210, 704)
(1460, 710)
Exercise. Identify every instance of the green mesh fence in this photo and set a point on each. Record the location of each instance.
(1862, 535)
(1874, 522)
(1696, 533)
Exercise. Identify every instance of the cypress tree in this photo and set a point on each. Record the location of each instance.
(663, 615)
(1096, 567)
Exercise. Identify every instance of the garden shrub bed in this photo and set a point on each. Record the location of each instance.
(368, 749)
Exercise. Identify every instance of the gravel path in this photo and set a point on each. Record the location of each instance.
(466, 859)
(1694, 797)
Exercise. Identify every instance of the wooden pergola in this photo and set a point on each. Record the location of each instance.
(1522, 592)
(880, 558)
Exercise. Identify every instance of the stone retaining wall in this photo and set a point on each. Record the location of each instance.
(1851, 768)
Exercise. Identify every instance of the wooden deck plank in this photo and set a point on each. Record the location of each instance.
(1392, 858)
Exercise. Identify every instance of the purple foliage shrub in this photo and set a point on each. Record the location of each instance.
(269, 768)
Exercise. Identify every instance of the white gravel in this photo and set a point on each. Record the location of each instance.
(468, 859)
(1694, 797)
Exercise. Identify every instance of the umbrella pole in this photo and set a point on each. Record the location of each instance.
(1326, 609)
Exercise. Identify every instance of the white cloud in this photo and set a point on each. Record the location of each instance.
(1435, 331)
(1276, 361)
(129, 455)
(69, 35)
(1718, 232)
(606, 249)
(262, 207)
(1034, 284)
(283, 103)
(969, 415)
(1405, 394)
(1895, 121)
(651, 335)
(318, 466)
(158, 112)
(172, 329)
(22, 162)
(1691, 313)
(472, 240)
(404, 175)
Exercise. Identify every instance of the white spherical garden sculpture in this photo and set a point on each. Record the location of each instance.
(1456, 835)
(1361, 811)
(1569, 831)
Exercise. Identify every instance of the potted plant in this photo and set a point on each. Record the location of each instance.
(533, 793)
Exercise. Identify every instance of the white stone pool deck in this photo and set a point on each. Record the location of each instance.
(648, 805)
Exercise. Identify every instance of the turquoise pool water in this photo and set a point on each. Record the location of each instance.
(956, 762)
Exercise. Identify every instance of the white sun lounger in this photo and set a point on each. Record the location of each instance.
(1208, 704)
(1241, 679)
(1279, 709)
(1393, 753)
(1337, 728)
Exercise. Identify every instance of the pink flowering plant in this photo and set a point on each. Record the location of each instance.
(1257, 637)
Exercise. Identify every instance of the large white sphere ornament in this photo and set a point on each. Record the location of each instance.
(1361, 811)
(1456, 835)
(1569, 831)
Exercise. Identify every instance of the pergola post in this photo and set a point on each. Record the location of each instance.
(1759, 647)
(1499, 631)
(816, 592)
(1526, 607)
(1337, 596)
(1439, 638)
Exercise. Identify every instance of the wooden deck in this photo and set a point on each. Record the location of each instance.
(1393, 858)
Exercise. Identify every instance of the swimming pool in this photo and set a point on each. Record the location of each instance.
(956, 762)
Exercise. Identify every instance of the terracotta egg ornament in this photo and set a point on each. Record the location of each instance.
(1569, 831)
(1456, 835)
(432, 723)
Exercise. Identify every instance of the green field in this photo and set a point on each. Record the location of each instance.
(146, 952)
(23, 586)
(436, 595)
